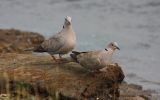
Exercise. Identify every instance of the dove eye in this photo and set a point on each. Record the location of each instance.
(111, 44)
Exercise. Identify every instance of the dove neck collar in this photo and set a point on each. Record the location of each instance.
(106, 49)
(109, 49)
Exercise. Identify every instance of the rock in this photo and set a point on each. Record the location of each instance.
(133, 98)
(106, 84)
(133, 91)
(155, 96)
(12, 40)
(38, 76)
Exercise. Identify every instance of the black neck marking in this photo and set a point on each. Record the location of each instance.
(106, 49)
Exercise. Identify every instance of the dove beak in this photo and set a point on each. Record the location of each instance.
(118, 48)
(67, 21)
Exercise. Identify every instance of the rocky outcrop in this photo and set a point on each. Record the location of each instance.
(134, 92)
(29, 76)
(39, 76)
(12, 40)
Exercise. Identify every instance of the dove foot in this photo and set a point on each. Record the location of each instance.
(57, 61)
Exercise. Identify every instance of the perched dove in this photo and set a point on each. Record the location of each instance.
(95, 60)
(60, 43)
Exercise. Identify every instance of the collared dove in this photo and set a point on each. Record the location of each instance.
(95, 60)
(60, 43)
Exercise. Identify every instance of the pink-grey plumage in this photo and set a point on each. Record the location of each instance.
(60, 43)
(95, 60)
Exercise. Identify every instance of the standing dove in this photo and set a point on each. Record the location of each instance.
(61, 43)
(95, 60)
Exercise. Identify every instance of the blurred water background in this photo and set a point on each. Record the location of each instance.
(134, 24)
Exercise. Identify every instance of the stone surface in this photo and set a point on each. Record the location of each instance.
(12, 40)
(38, 75)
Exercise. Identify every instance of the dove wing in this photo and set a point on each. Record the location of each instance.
(90, 59)
(53, 44)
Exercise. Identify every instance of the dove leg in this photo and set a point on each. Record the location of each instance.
(52, 55)
(54, 58)
(60, 56)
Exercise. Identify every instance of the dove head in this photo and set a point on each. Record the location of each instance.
(113, 46)
(67, 21)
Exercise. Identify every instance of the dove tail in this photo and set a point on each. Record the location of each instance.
(39, 49)
(36, 49)
(74, 55)
(76, 52)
